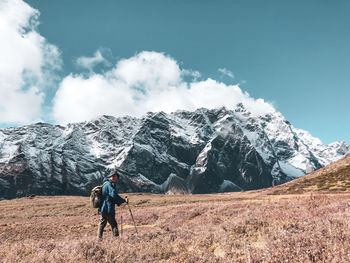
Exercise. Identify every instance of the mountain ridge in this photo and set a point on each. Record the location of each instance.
(203, 151)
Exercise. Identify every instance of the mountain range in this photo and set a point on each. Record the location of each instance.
(201, 151)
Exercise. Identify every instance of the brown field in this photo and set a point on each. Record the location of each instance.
(305, 220)
(236, 227)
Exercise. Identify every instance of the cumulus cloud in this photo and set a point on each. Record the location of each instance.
(148, 81)
(226, 72)
(90, 62)
(26, 64)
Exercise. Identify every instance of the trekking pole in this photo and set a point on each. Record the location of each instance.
(121, 225)
(132, 217)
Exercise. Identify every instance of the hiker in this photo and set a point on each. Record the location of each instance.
(110, 199)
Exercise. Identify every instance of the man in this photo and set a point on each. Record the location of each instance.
(110, 199)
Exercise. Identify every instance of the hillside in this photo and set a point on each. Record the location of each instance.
(332, 178)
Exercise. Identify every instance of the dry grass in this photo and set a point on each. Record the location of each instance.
(235, 227)
(332, 178)
(306, 220)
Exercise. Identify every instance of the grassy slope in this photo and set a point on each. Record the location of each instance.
(237, 227)
(332, 178)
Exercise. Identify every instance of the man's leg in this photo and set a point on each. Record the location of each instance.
(101, 226)
(111, 220)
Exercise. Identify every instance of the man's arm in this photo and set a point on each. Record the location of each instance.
(114, 195)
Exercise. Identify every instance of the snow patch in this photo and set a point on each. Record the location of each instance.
(121, 157)
(96, 149)
(143, 179)
(290, 170)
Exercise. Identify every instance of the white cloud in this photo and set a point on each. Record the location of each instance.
(148, 71)
(148, 81)
(26, 64)
(90, 62)
(226, 72)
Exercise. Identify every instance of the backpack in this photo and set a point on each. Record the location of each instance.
(96, 196)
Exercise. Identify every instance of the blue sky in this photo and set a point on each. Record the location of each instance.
(293, 54)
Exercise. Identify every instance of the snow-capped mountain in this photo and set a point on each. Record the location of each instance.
(204, 151)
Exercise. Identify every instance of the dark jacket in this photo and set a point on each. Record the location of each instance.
(110, 198)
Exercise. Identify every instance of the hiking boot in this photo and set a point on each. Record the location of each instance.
(100, 231)
(115, 232)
